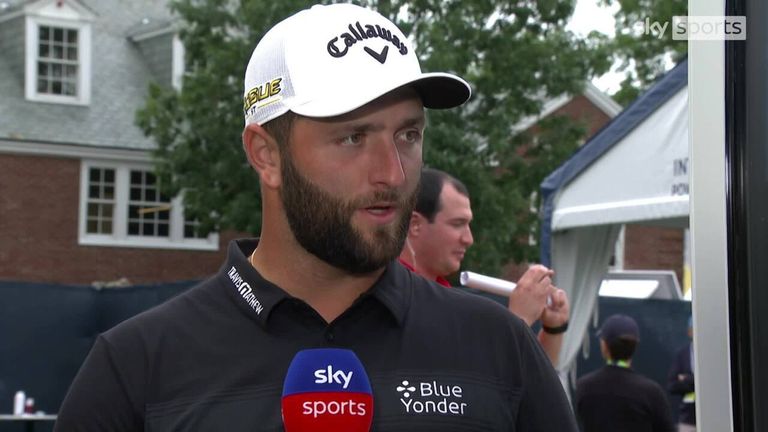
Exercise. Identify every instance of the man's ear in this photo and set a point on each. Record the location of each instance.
(415, 226)
(263, 154)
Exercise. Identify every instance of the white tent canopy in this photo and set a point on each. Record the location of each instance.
(634, 170)
(641, 178)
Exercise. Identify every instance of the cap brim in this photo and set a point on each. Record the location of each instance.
(442, 90)
(437, 91)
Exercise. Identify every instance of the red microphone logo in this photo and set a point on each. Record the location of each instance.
(327, 390)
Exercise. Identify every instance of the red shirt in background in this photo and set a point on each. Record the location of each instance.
(441, 280)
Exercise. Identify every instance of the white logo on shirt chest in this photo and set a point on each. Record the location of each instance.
(429, 397)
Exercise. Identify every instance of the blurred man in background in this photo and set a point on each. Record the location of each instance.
(616, 398)
(438, 237)
(680, 383)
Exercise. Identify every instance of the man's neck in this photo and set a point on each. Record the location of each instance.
(407, 256)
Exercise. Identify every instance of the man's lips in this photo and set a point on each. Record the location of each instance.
(383, 212)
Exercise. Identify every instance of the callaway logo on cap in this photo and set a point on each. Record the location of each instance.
(329, 60)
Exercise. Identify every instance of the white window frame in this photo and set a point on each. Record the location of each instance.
(120, 236)
(177, 62)
(57, 17)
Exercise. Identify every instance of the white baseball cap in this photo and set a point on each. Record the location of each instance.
(329, 60)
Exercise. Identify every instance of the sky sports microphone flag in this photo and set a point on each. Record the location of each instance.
(327, 389)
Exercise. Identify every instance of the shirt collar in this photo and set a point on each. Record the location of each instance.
(441, 280)
(393, 290)
(253, 294)
(257, 297)
(618, 363)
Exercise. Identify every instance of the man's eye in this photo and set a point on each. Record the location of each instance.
(410, 136)
(352, 140)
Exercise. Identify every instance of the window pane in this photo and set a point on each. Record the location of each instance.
(133, 228)
(58, 55)
(135, 194)
(148, 211)
(106, 213)
(190, 229)
(136, 178)
(151, 183)
(99, 212)
(98, 226)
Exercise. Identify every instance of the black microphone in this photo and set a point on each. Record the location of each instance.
(327, 390)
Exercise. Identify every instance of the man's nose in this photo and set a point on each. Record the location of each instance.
(466, 237)
(386, 164)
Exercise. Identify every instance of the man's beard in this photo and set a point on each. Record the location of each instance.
(322, 223)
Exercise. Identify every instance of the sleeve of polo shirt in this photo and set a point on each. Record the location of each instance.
(544, 405)
(99, 399)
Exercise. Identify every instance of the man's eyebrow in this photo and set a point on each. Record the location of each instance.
(420, 120)
(353, 127)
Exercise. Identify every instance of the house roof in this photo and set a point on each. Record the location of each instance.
(120, 76)
(596, 96)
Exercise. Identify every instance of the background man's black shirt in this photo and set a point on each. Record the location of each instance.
(615, 399)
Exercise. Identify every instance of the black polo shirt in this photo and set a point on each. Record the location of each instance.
(619, 399)
(215, 357)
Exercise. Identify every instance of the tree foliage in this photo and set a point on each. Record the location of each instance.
(515, 54)
(643, 51)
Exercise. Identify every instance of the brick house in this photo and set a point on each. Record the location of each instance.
(78, 200)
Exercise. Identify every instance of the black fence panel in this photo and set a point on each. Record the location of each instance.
(46, 330)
